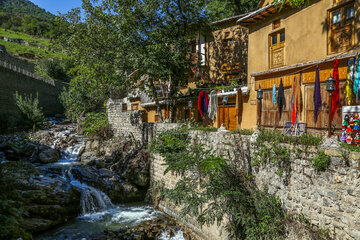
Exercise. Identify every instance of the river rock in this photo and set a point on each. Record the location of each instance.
(49, 201)
(48, 155)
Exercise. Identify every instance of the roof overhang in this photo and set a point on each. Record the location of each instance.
(229, 19)
(260, 14)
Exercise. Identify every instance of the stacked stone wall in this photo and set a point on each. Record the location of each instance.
(329, 199)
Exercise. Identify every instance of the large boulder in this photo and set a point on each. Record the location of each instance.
(48, 155)
(108, 182)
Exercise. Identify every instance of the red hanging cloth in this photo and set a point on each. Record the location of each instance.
(293, 105)
(335, 96)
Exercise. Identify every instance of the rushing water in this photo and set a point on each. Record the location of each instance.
(98, 212)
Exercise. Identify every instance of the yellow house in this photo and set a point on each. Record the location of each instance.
(291, 43)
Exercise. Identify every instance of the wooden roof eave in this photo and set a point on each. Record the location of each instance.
(306, 64)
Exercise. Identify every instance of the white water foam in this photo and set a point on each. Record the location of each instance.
(178, 236)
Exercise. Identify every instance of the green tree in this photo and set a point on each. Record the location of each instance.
(116, 38)
(219, 9)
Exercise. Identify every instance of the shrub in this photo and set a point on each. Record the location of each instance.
(321, 162)
(242, 131)
(31, 113)
(96, 125)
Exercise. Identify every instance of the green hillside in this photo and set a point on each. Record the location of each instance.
(30, 47)
(25, 7)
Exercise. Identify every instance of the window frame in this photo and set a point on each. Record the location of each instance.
(345, 24)
(279, 46)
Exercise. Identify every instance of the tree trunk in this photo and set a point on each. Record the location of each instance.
(157, 104)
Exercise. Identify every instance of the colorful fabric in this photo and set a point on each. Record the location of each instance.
(274, 94)
(203, 102)
(335, 95)
(357, 79)
(281, 102)
(239, 105)
(296, 100)
(293, 108)
(317, 95)
(348, 85)
(213, 105)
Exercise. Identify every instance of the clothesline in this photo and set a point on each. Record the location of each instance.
(289, 74)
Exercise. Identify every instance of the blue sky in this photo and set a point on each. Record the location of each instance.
(55, 6)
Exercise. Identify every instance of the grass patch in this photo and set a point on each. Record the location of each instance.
(18, 49)
(205, 129)
(242, 131)
(26, 37)
(352, 148)
(305, 139)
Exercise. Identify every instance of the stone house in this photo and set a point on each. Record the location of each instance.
(222, 62)
(289, 42)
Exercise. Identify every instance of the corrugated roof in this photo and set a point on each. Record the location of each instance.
(230, 18)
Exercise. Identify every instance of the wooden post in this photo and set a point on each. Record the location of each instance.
(223, 113)
(228, 123)
(330, 108)
(259, 112)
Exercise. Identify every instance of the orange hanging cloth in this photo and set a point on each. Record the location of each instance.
(335, 96)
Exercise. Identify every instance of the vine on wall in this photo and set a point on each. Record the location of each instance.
(211, 188)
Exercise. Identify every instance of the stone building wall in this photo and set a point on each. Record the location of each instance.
(130, 123)
(329, 199)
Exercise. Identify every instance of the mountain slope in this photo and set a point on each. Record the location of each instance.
(25, 7)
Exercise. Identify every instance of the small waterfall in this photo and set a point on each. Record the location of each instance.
(92, 199)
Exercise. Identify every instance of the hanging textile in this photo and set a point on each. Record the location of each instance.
(335, 95)
(203, 102)
(357, 78)
(274, 94)
(354, 69)
(348, 85)
(281, 98)
(213, 105)
(239, 105)
(317, 95)
(295, 100)
(293, 108)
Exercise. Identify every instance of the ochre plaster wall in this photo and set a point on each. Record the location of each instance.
(305, 36)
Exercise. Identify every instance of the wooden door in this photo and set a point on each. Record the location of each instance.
(323, 117)
(230, 116)
(270, 116)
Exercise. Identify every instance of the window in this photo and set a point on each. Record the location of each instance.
(276, 24)
(157, 119)
(134, 106)
(341, 28)
(336, 17)
(124, 107)
(228, 48)
(349, 12)
(228, 43)
(276, 51)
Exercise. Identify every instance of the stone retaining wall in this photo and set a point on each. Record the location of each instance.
(20, 78)
(329, 199)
